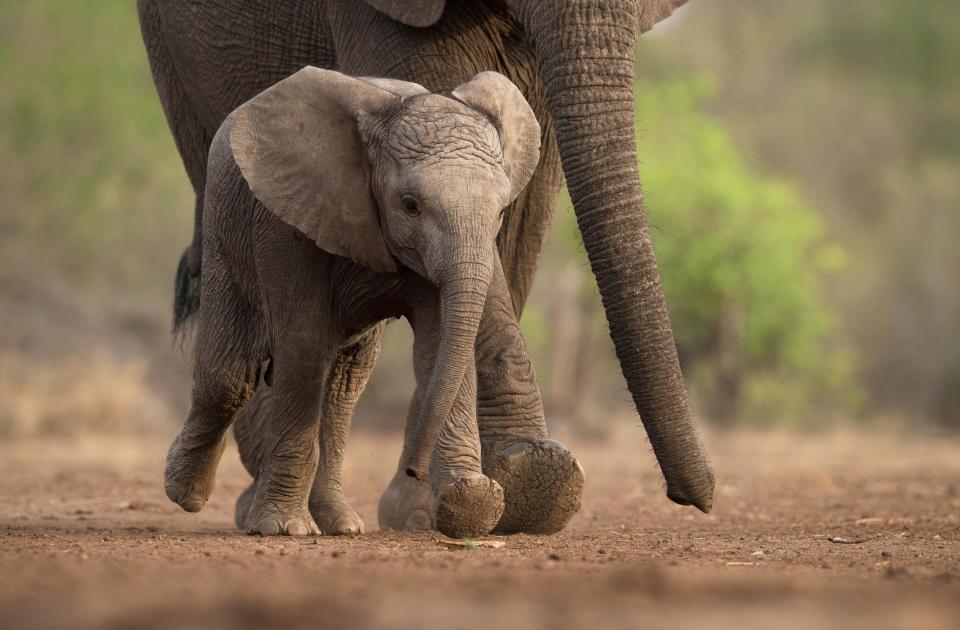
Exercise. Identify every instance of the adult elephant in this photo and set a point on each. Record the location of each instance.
(574, 62)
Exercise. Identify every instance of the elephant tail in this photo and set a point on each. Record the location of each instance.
(186, 296)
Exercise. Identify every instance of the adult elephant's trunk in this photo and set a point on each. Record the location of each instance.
(586, 53)
(463, 293)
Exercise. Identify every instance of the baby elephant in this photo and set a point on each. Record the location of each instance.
(333, 203)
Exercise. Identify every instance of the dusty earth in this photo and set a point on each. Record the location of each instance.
(87, 539)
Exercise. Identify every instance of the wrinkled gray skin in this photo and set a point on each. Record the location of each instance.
(573, 61)
(407, 189)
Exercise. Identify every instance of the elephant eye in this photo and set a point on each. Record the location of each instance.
(410, 206)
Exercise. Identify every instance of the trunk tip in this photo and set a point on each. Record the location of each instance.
(704, 504)
(699, 497)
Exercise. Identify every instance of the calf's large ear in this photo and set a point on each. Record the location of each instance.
(496, 96)
(299, 147)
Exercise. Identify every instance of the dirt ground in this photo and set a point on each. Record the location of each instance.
(87, 539)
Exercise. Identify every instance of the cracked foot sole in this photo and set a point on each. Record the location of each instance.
(469, 507)
(542, 484)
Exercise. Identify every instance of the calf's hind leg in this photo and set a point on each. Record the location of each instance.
(227, 351)
(349, 374)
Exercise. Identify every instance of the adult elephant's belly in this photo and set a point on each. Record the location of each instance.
(224, 56)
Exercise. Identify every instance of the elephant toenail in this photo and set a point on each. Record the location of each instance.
(346, 527)
(174, 493)
(296, 528)
(268, 527)
(194, 504)
(181, 497)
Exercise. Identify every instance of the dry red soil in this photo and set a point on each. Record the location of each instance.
(87, 539)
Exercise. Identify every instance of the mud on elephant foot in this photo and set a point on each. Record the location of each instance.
(190, 472)
(467, 507)
(542, 484)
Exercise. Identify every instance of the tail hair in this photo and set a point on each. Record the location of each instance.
(186, 297)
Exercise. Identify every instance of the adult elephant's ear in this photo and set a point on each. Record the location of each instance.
(299, 146)
(496, 96)
(419, 13)
(650, 12)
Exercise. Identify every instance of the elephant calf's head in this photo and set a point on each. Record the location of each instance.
(381, 171)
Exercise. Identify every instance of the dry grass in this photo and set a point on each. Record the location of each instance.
(77, 394)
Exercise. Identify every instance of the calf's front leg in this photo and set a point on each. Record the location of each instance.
(541, 479)
(458, 499)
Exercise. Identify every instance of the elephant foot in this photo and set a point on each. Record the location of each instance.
(469, 507)
(542, 484)
(407, 504)
(272, 518)
(334, 515)
(190, 472)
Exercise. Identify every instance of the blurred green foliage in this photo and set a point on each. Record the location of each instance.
(743, 257)
(91, 183)
(856, 102)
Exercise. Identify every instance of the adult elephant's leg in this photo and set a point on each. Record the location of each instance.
(349, 374)
(193, 144)
(542, 481)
